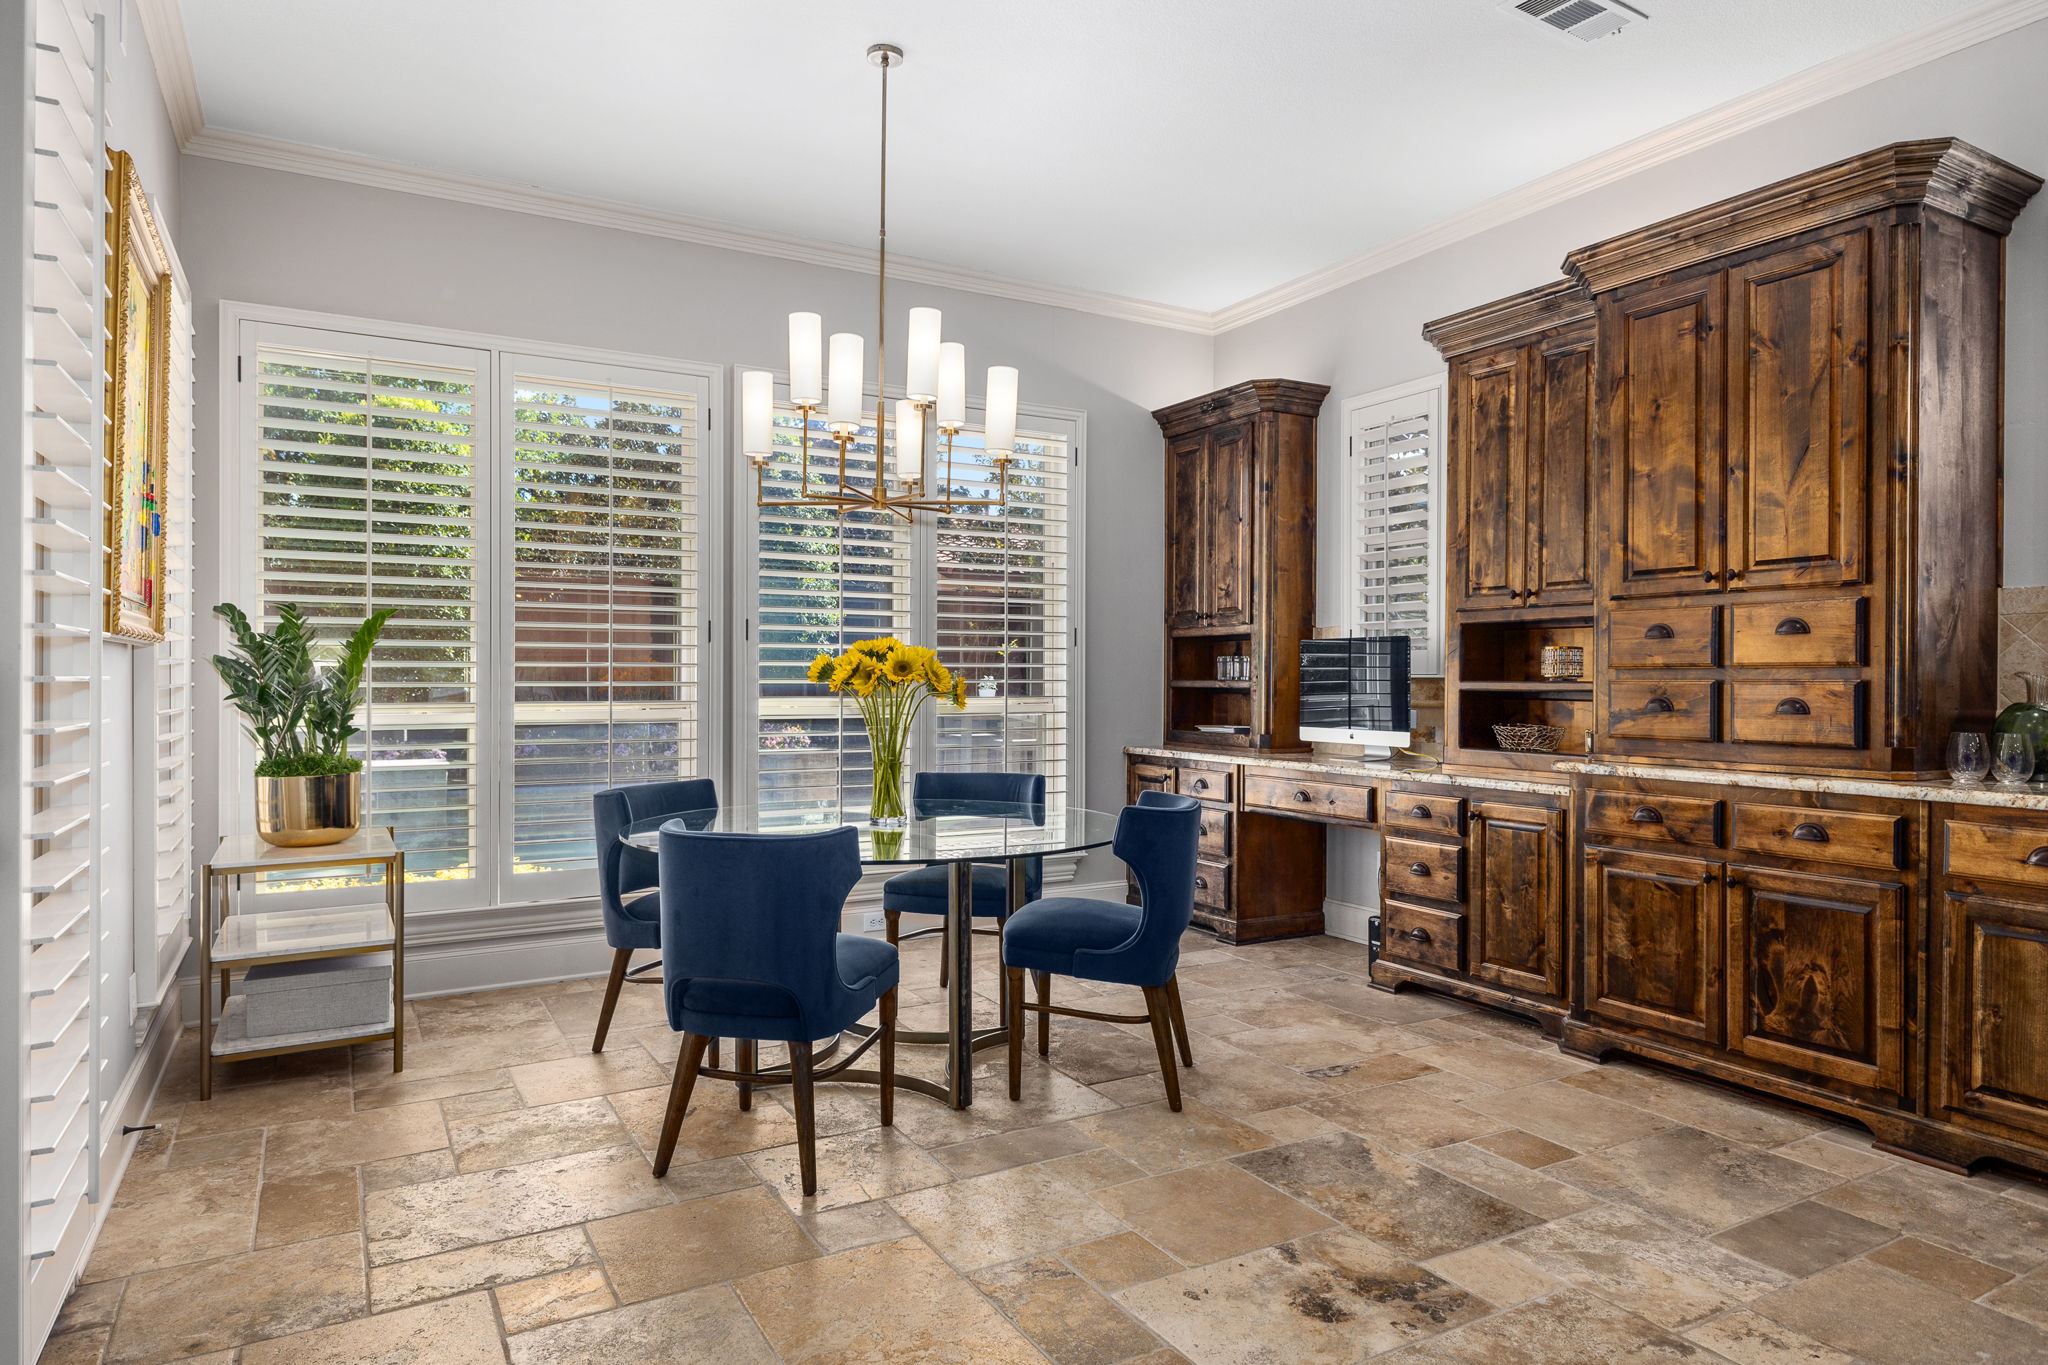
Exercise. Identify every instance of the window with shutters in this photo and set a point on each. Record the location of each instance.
(1394, 473)
(533, 522)
(990, 586)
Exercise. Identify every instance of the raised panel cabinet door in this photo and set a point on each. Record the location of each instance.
(1799, 415)
(1558, 561)
(1491, 394)
(1663, 433)
(1653, 943)
(1993, 1053)
(1187, 463)
(1515, 914)
(1229, 499)
(1817, 974)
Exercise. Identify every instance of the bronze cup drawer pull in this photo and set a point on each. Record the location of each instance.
(1807, 832)
(1418, 935)
(1302, 794)
(1660, 631)
(1647, 815)
(1792, 625)
(1418, 812)
(1793, 706)
(2038, 858)
(1418, 869)
(1658, 704)
(1201, 883)
(1200, 784)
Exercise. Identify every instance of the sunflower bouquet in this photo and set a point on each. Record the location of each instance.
(889, 681)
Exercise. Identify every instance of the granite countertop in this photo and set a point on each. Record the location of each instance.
(1367, 767)
(1986, 793)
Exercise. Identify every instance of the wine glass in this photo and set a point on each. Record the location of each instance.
(2012, 759)
(1969, 758)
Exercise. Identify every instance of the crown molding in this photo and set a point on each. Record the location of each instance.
(163, 28)
(1801, 91)
(299, 159)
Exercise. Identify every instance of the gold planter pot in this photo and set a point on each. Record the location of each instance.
(305, 812)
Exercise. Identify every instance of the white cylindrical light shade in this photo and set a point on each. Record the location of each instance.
(952, 390)
(757, 414)
(909, 440)
(806, 389)
(921, 379)
(846, 379)
(1001, 422)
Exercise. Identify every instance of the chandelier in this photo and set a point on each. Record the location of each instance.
(833, 379)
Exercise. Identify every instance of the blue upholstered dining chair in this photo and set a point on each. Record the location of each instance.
(626, 876)
(751, 950)
(1106, 941)
(922, 891)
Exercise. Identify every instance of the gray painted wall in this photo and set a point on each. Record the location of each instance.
(260, 236)
(1368, 335)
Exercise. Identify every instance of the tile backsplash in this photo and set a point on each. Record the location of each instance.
(2022, 639)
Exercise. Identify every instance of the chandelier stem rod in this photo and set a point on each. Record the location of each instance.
(882, 295)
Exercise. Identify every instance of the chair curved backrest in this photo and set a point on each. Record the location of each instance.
(1157, 839)
(1024, 789)
(622, 870)
(750, 923)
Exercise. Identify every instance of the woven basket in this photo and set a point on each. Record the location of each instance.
(1528, 739)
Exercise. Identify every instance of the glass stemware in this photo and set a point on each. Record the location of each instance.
(2012, 759)
(1969, 757)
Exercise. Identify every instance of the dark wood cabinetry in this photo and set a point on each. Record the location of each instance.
(1516, 914)
(1653, 942)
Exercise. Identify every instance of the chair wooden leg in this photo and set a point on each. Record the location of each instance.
(1043, 982)
(1159, 1013)
(621, 959)
(888, 1049)
(687, 1063)
(711, 1054)
(892, 925)
(1013, 1023)
(1180, 1021)
(747, 1055)
(806, 1115)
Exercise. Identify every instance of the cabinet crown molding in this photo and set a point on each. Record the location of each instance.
(1247, 399)
(1559, 304)
(1945, 174)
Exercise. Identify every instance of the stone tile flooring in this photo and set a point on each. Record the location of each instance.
(1357, 1176)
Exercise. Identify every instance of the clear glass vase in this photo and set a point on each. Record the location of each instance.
(885, 803)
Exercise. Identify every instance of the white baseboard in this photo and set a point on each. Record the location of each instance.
(1341, 919)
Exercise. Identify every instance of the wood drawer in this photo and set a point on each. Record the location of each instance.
(1666, 819)
(1660, 637)
(1861, 838)
(2006, 853)
(1822, 714)
(1212, 885)
(1824, 633)
(1414, 933)
(1205, 784)
(1423, 813)
(1291, 794)
(1420, 868)
(1661, 710)
(1215, 836)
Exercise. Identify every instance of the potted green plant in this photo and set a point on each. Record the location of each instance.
(301, 717)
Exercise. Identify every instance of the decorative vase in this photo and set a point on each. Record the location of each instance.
(306, 812)
(2029, 717)
(885, 802)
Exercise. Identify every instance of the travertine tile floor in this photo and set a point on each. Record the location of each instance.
(1357, 1176)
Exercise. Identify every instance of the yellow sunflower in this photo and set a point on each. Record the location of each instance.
(900, 667)
(843, 669)
(960, 693)
(820, 669)
(866, 676)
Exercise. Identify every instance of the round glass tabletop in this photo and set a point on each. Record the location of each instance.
(933, 832)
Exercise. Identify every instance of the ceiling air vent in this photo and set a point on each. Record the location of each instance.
(1587, 20)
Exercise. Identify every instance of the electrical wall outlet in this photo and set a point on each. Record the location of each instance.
(871, 922)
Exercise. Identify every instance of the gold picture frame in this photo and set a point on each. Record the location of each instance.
(139, 289)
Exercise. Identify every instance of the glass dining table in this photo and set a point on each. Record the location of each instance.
(953, 834)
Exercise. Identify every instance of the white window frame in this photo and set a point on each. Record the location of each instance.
(1069, 424)
(1427, 662)
(242, 327)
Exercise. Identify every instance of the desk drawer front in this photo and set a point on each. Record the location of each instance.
(1215, 836)
(1293, 795)
(1661, 710)
(1823, 714)
(1827, 633)
(1689, 820)
(1212, 885)
(1425, 814)
(1660, 637)
(1206, 784)
(1414, 933)
(1828, 836)
(2006, 853)
(1417, 868)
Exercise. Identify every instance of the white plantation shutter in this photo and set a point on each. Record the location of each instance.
(825, 579)
(366, 473)
(1004, 614)
(1396, 473)
(606, 626)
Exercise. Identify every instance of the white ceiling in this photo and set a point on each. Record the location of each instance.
(1188, 152)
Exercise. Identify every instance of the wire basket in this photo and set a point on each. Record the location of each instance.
(1528, 739)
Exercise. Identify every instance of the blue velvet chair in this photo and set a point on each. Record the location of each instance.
(751, 950)
(923, 891)
(1106, 941)
(626, 877)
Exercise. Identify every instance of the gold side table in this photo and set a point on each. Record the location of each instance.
(230, 938)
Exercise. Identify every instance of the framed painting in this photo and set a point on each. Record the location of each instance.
(138, 384)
